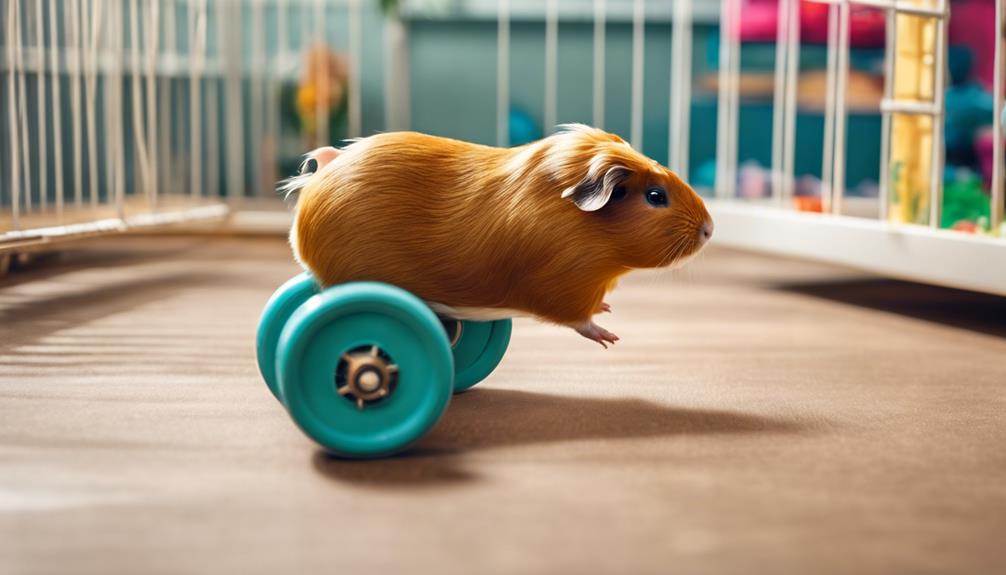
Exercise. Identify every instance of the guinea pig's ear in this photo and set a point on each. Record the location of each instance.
(594, 190)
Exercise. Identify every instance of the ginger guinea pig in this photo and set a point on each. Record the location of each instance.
(487, 233)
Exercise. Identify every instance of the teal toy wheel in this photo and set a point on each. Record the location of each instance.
(281, 305)
(364, 369)
(478, 348)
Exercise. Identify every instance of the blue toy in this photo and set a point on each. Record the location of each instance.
(364, 368)
(523, 128)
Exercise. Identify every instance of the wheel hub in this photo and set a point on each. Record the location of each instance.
(365, 375)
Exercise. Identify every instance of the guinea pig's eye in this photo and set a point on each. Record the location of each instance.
(618, 193)
(310, 167)
(656, 197)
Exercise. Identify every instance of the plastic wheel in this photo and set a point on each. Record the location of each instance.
(280, 307)
(364, 369)
(479, 348)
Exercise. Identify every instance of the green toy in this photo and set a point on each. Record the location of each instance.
(965, 203)
(366, 368)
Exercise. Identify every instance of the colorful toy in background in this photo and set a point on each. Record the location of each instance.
(523, 128)
(318, 96)
(965, 203)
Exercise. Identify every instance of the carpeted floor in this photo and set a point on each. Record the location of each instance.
(758, 416)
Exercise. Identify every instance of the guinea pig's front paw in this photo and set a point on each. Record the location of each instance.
(604, 307)
(594, 332)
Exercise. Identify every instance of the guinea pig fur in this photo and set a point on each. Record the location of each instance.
(484, 233)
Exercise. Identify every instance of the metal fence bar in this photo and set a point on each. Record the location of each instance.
(14, 131)
(722, 185)
(503, 74)
(114, 107)
(551, 63)
(279, 60)
(22, 110)
(679, 120)
(600, 12)
(938, 155)
(321, 104)
(828, 146)
(841, 112)
(355, 128)
(139, 127)
(779, 96)
(213, 118)
(257, 89)
(168, 104)
(153, 37)
(734, 93)
(197, 59)
(75, 67)
(91, 32)
(638, 55)
(890, 29)
(40, 109)
(57, 111)
(230, 35)
(789, 111)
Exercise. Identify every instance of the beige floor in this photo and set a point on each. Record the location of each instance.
(758, 416)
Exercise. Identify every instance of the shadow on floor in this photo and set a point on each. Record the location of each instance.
(487, 418)
(973, 311)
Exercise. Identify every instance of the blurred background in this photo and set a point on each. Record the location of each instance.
(145, 113)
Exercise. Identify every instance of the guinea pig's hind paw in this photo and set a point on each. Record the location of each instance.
(594, 332)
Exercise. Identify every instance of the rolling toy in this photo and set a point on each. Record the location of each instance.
(427, 246)
(366, 368)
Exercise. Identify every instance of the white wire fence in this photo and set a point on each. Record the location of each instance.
(129, 112)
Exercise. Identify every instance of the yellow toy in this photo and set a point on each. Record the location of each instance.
(912, 136)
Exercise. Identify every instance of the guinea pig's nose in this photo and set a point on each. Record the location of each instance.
(706, 231)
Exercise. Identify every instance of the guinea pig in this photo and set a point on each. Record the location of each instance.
(483, 233)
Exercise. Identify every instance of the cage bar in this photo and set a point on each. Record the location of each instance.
(57, 111)
(600, 13)
(14, 131)
(890, 29)
(779, 96)
(638, 54)
(792, 76)
(355, 127)
(679, 118)
(40, 107)
(503, 74)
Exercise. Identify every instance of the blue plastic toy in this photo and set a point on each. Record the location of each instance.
(366, 368)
